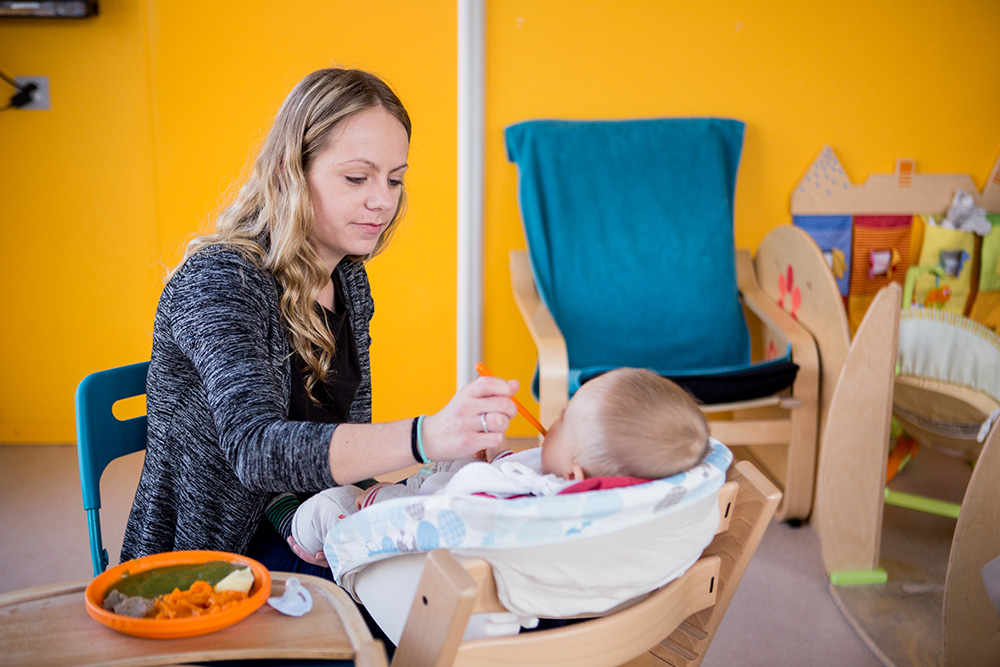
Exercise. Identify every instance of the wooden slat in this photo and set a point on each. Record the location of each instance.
(439, 613)
(609, 640)
(851, 477)
(755, 504)
(746, 432)
(971, 627)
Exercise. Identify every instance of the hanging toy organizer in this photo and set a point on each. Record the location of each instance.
(873, 233)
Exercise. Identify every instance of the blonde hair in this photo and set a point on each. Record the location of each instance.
(271, 218)
(643, 425)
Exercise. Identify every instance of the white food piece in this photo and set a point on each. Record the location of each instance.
(237, 580)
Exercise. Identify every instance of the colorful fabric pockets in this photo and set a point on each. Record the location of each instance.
(986, 307)
(951, 251)
(832, 233)
(880, 255)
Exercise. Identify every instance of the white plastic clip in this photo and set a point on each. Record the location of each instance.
(984, 430)
(506, 624)
(295, 601)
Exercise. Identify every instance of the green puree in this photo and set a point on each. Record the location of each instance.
(163, 580)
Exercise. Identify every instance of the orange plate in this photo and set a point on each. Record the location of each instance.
(179, 627)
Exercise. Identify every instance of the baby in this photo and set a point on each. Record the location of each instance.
(623, 427)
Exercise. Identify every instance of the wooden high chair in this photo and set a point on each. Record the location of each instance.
(675, 623)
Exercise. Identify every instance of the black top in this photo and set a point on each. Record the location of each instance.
(336, 394)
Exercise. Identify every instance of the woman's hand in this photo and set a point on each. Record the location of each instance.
(457, 431)
(315, 559)
(360, 451)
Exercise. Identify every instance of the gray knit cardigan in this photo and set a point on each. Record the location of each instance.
(217, 398)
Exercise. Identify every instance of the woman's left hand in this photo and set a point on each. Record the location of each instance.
(315, 559)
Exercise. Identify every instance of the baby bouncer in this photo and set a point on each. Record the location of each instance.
(453, 579)
(947, 389)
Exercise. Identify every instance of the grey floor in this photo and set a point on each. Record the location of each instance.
(782, 614)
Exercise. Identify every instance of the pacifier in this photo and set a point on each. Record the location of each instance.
(295, 601)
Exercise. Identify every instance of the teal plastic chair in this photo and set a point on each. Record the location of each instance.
(102, 438)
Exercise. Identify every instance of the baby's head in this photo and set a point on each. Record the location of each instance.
(627, 422)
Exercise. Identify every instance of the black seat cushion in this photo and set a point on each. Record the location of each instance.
(726, 386)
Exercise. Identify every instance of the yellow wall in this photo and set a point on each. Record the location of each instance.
(156, 106)
(875, 80)
(77, 225)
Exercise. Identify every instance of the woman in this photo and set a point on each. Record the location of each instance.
(259, 380)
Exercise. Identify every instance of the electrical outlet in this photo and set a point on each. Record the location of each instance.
(40, 96)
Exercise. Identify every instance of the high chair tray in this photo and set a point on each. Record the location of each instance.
(49, 625)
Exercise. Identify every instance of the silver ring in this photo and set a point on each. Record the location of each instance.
(482, 421)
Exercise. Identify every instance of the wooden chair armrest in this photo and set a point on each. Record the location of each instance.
(773, 317)
(553, 360)
(796, 469)
(821, 309)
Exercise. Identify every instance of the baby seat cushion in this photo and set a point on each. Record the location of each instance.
(939, 346)
(943, 346)
(554, 556)
(721, 385)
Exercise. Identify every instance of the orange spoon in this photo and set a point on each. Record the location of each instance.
(482, 370)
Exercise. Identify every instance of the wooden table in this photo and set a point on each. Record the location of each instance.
(49, 626)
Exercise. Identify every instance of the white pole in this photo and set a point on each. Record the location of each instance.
(471, 71)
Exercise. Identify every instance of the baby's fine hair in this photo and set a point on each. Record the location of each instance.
(644, 426)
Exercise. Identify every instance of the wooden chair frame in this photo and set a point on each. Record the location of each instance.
(779, 433)
(971, 627)
(678, 621)
(851, 489)
(850, 484)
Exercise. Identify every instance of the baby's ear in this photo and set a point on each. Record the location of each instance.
(577, 475)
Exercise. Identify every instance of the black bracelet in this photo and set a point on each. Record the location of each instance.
(413, 441)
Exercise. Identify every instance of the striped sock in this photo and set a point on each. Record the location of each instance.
(279, 513)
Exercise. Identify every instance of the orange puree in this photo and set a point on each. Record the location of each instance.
(199, 600)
